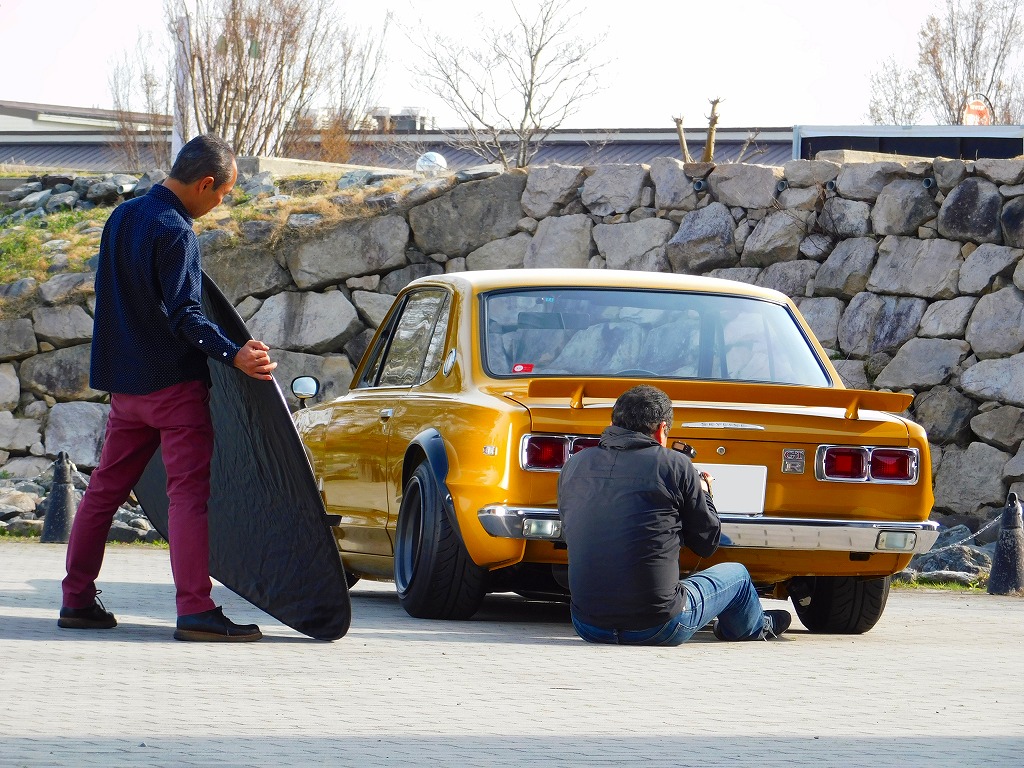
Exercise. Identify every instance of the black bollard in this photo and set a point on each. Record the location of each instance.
(60, 505)
(1008, 563)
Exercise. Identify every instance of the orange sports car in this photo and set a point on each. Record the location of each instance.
(438, 469)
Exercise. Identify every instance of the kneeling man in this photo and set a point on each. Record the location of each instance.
(627, 507)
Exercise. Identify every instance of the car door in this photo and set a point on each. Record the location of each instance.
(356, 449)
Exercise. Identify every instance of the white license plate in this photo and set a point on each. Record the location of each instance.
(738, 488)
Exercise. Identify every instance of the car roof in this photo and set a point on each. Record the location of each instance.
(488, 280)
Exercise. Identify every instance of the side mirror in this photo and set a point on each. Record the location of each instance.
(305, 387)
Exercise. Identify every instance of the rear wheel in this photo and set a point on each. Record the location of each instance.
(434, 575)
(843, 605)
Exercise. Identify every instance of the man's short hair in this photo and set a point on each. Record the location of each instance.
(642, 409)
(205, 155)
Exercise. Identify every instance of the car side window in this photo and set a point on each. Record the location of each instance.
(407, 352)
(435, 351)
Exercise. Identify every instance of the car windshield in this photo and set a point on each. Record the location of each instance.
(655, 334)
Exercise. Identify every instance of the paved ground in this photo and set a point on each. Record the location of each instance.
(939, 682)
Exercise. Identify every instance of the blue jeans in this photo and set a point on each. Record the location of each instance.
(723, 590)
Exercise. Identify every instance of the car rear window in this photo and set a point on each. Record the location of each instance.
(651, 334)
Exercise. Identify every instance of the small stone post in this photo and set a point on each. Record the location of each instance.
(1008, 563)
(60, 505)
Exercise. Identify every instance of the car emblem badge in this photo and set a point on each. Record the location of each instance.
(793, 461)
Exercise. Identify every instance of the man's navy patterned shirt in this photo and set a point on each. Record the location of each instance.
(149, 330)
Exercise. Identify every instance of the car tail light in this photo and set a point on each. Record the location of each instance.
(894, 465)
(579, 443)
(545, 452)
(548, 453)
(853, 464)
(842, 463)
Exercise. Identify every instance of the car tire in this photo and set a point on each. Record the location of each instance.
(843, 605)
(434, 575)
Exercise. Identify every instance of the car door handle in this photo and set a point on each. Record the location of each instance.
(386, 413)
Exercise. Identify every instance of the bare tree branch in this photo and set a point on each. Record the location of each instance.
(516, 86)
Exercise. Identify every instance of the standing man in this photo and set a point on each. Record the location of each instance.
(150, 346)
(627, 507)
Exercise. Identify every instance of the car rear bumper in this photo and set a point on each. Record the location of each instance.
(755, 532)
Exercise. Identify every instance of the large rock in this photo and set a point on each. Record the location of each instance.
(1001, 379)
(1012, 222)
(63, 201)
(396, 280)
(372, 306)
(357, 247)
(62, 374)
(971, 212)
(1002, 427)
(922, 363)
(947, 319)
(873, 323)
(789, 277)
(561, 241)
(775, 238)
(704, 241)
(926, 268)
(945, 414)
(902, 206)
(77, 428)
(800, 199)
(810, 173)
(623, 245)
(68, 287)
(745, 185)
(948, 172)
(240, 272)
(823, 314)
(865, 181)
(996, 327)
(673, 189)
(17, 435)
(969, 479)
(62, 326)
(1000, 170)
(35, 200)
(306, 322)
(985, 264)
(10, 387)
(550, 187)
(852, 373)
(845, 271)
(17, 339)
(614, 188)
(845, 218)
(472, 214)
(507, 253)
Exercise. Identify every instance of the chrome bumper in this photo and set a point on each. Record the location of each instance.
(758, 532)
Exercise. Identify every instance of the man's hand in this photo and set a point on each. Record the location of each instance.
(253, 360)
(705, 482)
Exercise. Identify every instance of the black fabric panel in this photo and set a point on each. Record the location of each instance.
(269, 539)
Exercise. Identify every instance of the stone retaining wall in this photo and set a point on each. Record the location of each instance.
(910, 273)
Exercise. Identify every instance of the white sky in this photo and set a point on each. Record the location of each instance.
(773, 62)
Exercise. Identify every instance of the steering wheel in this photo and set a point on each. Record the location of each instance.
(635, 372)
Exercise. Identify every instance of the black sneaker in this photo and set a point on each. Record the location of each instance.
(214, 626)
(93, 617)
(775, 623)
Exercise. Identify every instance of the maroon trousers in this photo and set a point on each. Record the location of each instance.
(177, 419)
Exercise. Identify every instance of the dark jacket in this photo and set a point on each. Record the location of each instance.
(627, 507)
(149, 330)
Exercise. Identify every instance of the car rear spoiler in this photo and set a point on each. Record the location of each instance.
(850, 400)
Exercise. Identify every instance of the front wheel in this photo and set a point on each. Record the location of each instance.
(843, 605)
(434, 575)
